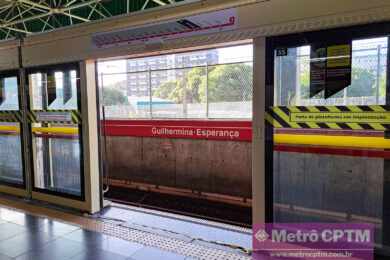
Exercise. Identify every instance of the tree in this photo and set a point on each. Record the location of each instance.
(382, 86)
(362, 83)
(165, 90)
(112, 97)
(187, 87)
(194, 82)
(226, 83)
(229, 83)
(305, 84)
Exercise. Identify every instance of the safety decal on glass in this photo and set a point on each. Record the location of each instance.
(330, 68)
(10, 116)
(331, 117)
(54, 116)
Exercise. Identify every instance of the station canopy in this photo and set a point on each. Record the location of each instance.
(23, 17)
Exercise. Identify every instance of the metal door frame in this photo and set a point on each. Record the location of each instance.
(46, 69)
(355, 32)
(12, 188)
(90, 199)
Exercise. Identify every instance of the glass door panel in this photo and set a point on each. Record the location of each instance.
(55, 126)
(11, 156)
(327, 155)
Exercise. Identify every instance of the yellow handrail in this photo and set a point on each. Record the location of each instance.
(336, 141)
(56, 130)
(9, 128)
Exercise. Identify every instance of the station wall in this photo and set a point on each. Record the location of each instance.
(342, 187)
(336, 183)
(221, 167)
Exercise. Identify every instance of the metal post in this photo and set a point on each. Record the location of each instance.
(89, 136)
(386, 167)
(298, 78)
(185, 103)
(101, 82)
(378, 74)
(46, 141)
(106, 167)
(261, 189)
(99, 143)
(150, 95)
(207, 90)
(25, 126)
(279, 88)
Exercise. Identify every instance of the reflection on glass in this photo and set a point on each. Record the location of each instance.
(369, 65)
(57, 159)
(9, 99)
(57, 90)
(11, 164)
(56, 147)
(36, 91)
(311, 185)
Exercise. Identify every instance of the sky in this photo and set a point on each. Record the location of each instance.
(226, 55)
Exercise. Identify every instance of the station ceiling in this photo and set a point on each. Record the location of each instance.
(22, 17)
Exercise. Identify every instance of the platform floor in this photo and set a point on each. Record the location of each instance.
(31, 232)
(189, 227)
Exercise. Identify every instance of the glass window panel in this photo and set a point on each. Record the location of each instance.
(369, 65)
(9, 96)
(56, 147)
(57, 92)
(311, 185)
(66, 91)
(36, 91)
(11, 163)
(57, 157)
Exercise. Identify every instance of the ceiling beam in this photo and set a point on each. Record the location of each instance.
(17, 15)
(75, 16)
(17, 30)
(80, 5)
(31, 3)
(35, 17)
(159, 2)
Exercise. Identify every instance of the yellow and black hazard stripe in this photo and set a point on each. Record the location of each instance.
(74, 115)
(10, 116)
(330, 117)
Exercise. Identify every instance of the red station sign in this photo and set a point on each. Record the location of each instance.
(193, 129)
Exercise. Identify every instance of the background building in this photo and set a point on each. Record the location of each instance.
(163, 69)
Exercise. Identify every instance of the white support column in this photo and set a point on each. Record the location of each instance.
(258, 149)
(90, 135)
